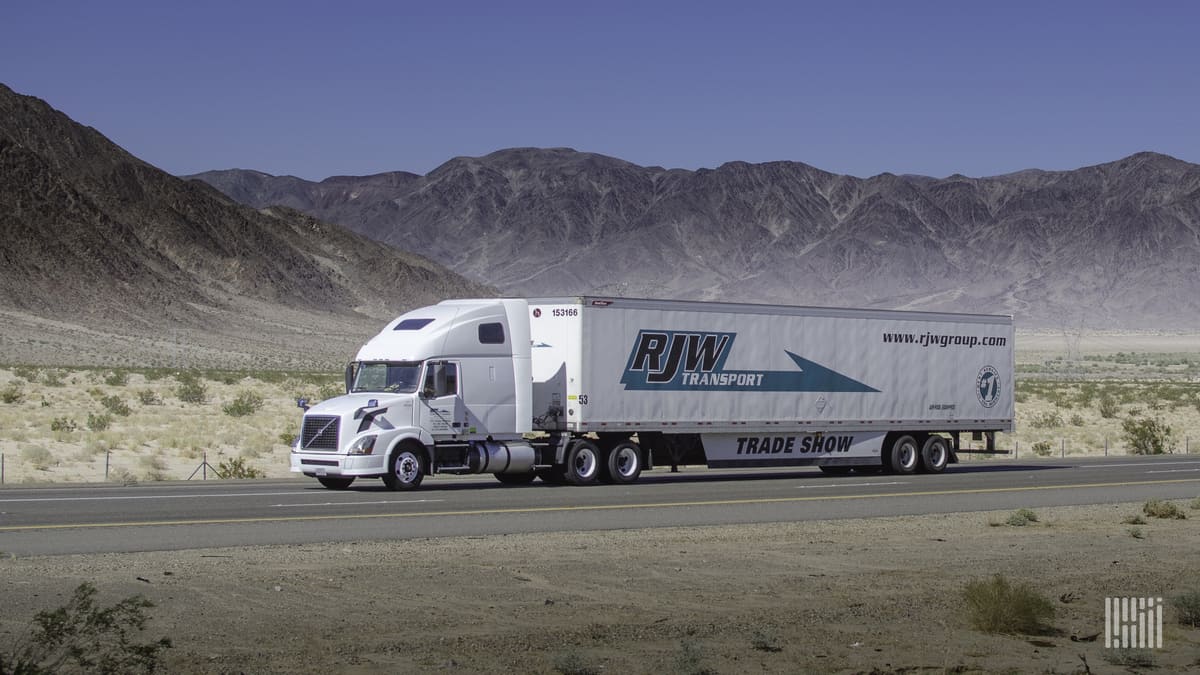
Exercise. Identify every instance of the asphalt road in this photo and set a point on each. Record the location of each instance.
(173, 516)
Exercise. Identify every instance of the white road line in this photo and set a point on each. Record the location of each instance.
(1118, 466)
(384, 501)
(1176, 471)
(119, 498)
(838, 485)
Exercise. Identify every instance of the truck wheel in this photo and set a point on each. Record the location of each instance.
(406, 469)
(335, 483)
(624, 463)
(516, 478)
(905, 455)
(583, 463)
(935, 454)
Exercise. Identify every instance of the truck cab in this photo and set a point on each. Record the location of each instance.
(441, 388)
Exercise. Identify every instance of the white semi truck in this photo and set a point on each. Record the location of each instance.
(587, 389)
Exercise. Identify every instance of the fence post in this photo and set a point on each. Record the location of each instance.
(107, 455)
(1106, 446)
(1016, 449)
(1064, 448)
(1, 468)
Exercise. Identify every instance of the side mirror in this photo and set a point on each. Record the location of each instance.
(302, 403)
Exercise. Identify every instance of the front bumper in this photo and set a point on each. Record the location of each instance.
(332, 464)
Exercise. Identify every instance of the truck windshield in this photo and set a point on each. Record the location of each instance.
(398, 378)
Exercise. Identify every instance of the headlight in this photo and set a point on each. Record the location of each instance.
(363, 446)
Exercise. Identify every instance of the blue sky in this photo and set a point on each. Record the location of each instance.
(354, 87)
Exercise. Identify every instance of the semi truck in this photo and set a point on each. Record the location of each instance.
(589, 389)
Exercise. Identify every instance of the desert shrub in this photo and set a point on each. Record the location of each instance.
(1146, 436)
(117, 378)
(153, 467)
(237, 467)
(571, 663)
(27, 373)
(192, 391)
(63, 424)
(1136, 533)
(1046, 420)
(1077, 420)
(289, 438)
(115, 405)
(1130, 658)
(37, 456)
(246, 403)
(690, 660)
(765, 642)
(1042, 448)
(149, 397)
(996, 606)
(331, 390)
(99, 422)
(13, 393)
(1021, 517)
(54, 377)
(1187, 608)
(1135, 519)
(82, 637)
(1195, 504)
(1157, 508)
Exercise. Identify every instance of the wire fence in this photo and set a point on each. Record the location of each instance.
(124, 471)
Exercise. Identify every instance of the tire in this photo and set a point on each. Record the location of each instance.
(583, 463)
(623, 464)
(335, 482)
(406, 469)
(836, 470)
(905, 455)
(935, 454)
(516, 478)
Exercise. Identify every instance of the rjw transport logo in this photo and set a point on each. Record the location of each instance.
(695, 361)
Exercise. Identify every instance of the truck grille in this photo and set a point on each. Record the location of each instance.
(320, 432)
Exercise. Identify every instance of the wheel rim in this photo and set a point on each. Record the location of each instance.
(585, 463)
(626, 461)
(407, 468)
(908, 455)
(937, 454)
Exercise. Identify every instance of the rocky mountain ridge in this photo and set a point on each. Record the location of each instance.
(1113, 246)
(100, 250)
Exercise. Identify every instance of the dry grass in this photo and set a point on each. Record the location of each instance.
(159, 437)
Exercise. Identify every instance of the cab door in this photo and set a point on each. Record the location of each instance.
(440, 400)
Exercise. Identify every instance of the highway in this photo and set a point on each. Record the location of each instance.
(57, 520)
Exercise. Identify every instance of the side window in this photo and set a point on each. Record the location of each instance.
(491, 333)
(441, 379)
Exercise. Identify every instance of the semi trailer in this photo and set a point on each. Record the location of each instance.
(585, 389)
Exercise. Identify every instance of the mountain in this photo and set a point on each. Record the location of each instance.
(107, 259)
(1113, 246)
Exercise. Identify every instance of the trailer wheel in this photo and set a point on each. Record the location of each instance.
(406, 469)
(334, 482)
(623, 463)
(905, 455)
(583, 463)
(935, 454)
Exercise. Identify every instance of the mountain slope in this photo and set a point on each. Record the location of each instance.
(1109, 246)
(93, 240)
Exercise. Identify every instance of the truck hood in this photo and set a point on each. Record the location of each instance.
(342, 406)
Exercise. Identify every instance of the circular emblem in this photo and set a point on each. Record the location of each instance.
(987, 386)
(537, 312)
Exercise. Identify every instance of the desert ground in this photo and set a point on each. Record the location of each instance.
(864, 596)
(851, 596)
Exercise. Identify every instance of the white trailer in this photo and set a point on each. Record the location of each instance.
(583, 389)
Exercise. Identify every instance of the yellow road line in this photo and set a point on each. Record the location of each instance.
(600, 507)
